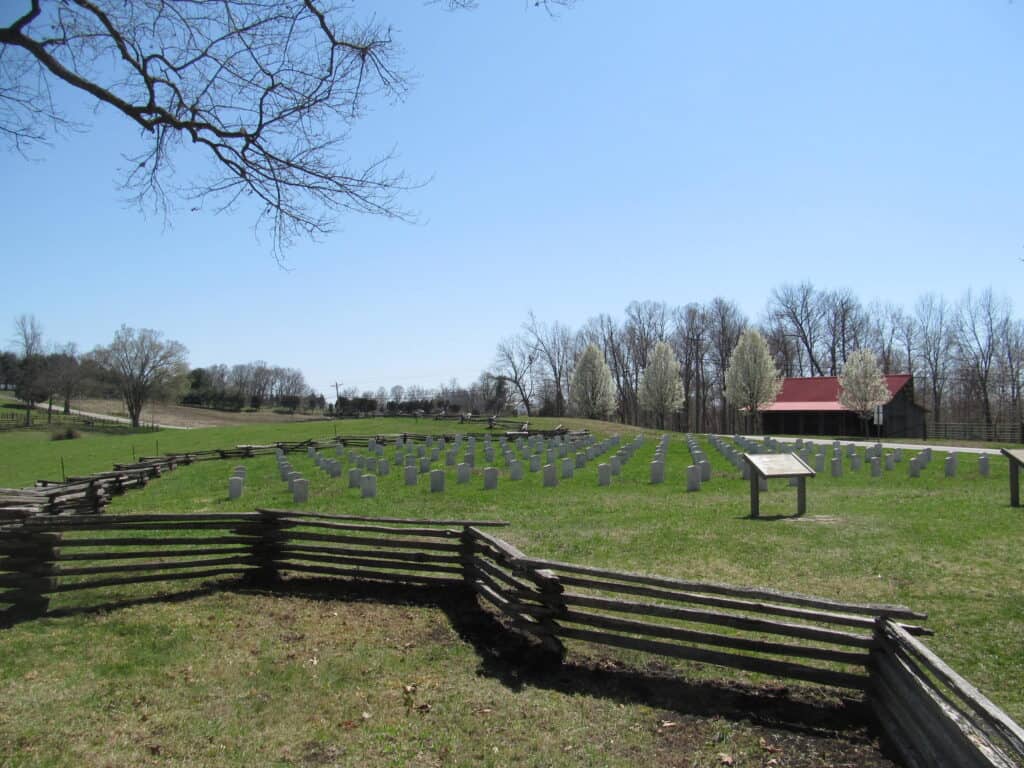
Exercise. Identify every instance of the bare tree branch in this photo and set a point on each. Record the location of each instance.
(268, 89)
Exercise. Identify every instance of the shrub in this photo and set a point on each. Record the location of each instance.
(66, 434)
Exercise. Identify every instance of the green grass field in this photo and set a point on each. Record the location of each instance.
(228, 668)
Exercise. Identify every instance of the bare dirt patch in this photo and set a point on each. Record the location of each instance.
(187, 416)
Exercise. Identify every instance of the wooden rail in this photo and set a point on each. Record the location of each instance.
(932, 715)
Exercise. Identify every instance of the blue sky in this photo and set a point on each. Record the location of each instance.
(660, 150)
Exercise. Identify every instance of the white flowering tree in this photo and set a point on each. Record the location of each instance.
(660, 389)
(752, 381)
(592, 391)
(862, 386)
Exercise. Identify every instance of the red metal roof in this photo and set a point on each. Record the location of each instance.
(821, 393)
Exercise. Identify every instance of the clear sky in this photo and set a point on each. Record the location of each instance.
(622, 151)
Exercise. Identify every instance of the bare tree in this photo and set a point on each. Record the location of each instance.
(882, 330)
(980, 320)
(645, 325)
(907, 333)
(266, 89)
(935, 348)
(66, 374)
(554, 347)
(797, 308)
(33, 382)
(690, 342)
(725, 326)
(142, 365)
(514, 362)
(1011, 364)
(844, 325)
(28, 335)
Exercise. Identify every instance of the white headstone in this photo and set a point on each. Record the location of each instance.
(369, 486)
(550, 476)
(411, 475)
(235, 485)
(463, 473)
(300, 490)
(693, 477)
(604, 474)
(490, 478)
(657, 472)
(437, 481)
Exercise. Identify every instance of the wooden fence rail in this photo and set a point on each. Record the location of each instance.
(932, 715)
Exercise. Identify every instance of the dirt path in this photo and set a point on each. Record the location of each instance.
(185, 417)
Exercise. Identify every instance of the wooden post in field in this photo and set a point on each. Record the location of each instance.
(551, 591)
(31, 556)
(266, 549)
(1016, 459)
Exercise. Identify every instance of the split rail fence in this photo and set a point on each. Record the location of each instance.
(931, 714)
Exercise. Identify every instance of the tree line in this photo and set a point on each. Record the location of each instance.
(137, 367)
(967, 356)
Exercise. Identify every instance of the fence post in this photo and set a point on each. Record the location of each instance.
(551, 590)
(266, 549)
(31, 556)
(468, 555)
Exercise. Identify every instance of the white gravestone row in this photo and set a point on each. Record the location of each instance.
(658, 462)
(701, 466)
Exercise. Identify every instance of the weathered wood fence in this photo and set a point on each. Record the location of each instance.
(932, 715)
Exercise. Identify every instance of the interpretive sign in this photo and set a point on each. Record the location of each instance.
(771, 465)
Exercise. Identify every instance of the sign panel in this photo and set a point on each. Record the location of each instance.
(778, 465)
(1015, 454)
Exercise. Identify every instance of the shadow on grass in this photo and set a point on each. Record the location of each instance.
(517, 660)
(770, 518)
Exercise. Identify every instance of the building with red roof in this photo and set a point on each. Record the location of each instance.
(810, 406)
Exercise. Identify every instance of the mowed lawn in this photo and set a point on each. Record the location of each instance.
(949, 547)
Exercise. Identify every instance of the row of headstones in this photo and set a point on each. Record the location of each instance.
(297, 484)
(367, 482)
(875, 456)
(700, 471)
(551, 471)
(950, 465)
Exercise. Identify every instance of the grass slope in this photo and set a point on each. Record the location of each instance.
(946, 546)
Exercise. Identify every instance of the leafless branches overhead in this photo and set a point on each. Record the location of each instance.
(267, 89)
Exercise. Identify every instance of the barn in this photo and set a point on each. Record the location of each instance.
(810, 406)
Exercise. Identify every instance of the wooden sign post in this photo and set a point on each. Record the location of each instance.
(1016, 458)
(768, 465)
